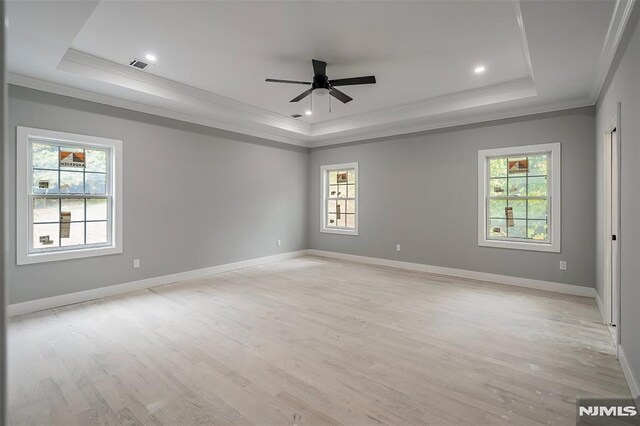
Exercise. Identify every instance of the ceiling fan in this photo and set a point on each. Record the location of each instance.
(321, 84)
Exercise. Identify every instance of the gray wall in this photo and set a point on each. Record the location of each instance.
(420, 191)
(194, 197)
(624, 86)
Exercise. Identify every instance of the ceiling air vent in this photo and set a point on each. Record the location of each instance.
(137, 63)
(296, 115)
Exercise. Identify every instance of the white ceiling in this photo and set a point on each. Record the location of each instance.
(213, 58)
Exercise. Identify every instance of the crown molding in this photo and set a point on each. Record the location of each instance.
(619, 20)
(60, 89)
(488, 95)
(450, 122)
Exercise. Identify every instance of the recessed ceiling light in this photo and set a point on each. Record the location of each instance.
(308, 112)
(150, 57)
(479, 69)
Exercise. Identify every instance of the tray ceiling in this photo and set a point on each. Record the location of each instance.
(213, 57)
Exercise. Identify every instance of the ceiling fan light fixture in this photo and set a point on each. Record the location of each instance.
(321, 91)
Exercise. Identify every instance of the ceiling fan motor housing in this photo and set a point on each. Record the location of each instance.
(320, 85)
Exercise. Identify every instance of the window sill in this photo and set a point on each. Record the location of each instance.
(67, 255)
(516, 245)
(353, 232)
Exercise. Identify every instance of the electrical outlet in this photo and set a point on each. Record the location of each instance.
(563, 265)
(136, 263)
(397, 247)
(279, 243)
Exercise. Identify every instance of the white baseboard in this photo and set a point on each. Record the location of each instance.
(97, 293)
(601, 308)
(463, 273)
(628, 374)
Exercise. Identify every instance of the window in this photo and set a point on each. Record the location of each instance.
(69, 196)
(519, 197)
(340, 199)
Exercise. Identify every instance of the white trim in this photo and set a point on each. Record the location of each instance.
(425, 123)
(323, 208)
(462, 273)
(112, 290)
(633, 382)
(23, 188)
(60, 89)
(619, 20)
(555, 197)
(601, 308)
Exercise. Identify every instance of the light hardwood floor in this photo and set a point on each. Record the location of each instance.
(313, 341)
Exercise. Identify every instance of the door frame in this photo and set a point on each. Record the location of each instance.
(612, 168)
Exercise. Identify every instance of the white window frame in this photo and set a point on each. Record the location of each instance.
(554, 177)
(324, 173)
(24, 188)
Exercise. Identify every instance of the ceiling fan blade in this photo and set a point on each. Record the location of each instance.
(301, 96)
(275, 80)
(340, 96)
(370, 79)
(319, 67)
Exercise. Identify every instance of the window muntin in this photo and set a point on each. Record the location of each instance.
(519, 197)
(340, 198)
(69, 196)
(518, 203)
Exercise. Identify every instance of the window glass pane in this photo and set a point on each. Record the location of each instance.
(351, 206)
(333, 180)
(333, 191)
(71, 183)
(538, 187)
(497, 228)
(517, 186)
(497, 187)
(496, 208)
(537, 209)
(44, 156)
(71, 158)
(45, 182)
(95, 183)
(351, 191)
(331, 220)
(342, 177)
(518, 230)
(45, 210)
(537, 230)
(96, 209)
(75, 207)
(96, 232)
(96, 160)
(341, 208)
(331, 206)
(342, 191)
(46, 235)
(497, 167)
(352, 176)
(351, 220)
(75, 235)
(340, 221)
(538, 165)
(517, 166)
(519, 208)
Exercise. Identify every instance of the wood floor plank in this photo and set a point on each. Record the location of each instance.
(313, 341)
